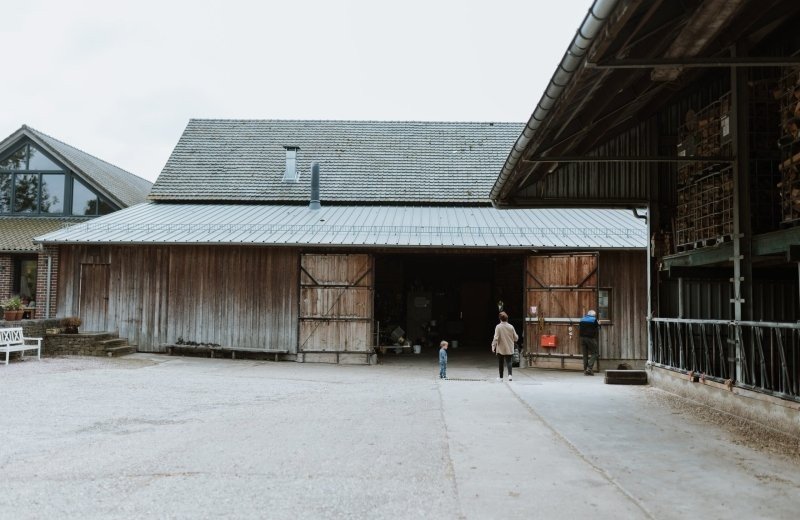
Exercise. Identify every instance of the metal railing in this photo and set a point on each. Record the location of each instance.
(760, 356)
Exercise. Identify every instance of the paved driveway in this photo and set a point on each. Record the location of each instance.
(156, 436)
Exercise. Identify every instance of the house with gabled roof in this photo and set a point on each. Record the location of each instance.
(404, 248)
(46, 185)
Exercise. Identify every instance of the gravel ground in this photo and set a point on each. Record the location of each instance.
(742, 431)
(171, 437)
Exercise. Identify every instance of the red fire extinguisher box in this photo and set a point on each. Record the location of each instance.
(548, 340)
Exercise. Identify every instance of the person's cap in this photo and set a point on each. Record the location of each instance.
(591, 313)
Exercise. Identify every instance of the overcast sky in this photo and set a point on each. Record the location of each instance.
(121, 79)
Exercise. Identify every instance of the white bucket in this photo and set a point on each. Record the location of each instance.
(417, 349)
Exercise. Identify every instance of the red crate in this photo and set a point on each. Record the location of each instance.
(548, 340)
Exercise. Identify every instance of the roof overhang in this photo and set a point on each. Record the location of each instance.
(360, 226)
(632, 56)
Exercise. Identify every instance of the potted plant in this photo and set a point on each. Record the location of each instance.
(12, 309)
(71, 324)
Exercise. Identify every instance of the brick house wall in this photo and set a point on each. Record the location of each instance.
(6, 265)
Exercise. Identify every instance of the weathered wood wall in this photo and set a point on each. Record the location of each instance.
(625, 273)
(336, 302)
(230, 296)
(564, 287)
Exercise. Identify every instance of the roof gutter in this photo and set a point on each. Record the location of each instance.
(584, 37)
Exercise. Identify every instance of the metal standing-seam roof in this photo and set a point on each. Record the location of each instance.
(406, 162)
(374, 226)
(121, 186)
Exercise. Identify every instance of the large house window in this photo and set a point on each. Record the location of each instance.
(52, 193)
(16, 161)
(39, 161)
(26, 193)
(87, 202)
(5, 192)
(32, 183)
(25, 279)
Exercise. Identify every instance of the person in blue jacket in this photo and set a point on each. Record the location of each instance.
(588, 331)
(443, 360)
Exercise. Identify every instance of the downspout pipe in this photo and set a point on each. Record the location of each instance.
(49, 284)
(584, 38)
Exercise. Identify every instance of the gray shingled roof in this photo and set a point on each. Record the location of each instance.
(16, 233)
(119, 185)
(361, 161)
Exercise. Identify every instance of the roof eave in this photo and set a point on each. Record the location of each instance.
(573, 60)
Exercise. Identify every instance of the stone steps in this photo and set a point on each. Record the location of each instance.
(116, 347)
(120, 351)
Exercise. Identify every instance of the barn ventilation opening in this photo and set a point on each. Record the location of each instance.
(421, 299)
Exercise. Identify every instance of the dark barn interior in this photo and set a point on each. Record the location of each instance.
(455, 297)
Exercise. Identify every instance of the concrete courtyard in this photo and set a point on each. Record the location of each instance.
(179, 437)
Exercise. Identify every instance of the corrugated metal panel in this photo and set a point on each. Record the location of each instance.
(577, 182)
(609, 183)
(456, 227)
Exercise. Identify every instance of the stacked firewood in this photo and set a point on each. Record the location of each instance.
(705, 188)
(790, 192)
(789, 143)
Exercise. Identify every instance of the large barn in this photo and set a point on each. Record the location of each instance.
(405, 248)
(692, 109)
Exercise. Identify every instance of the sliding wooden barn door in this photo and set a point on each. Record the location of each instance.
(560, 289)
(336, 293)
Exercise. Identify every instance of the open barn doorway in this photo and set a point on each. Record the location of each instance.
(421, 299)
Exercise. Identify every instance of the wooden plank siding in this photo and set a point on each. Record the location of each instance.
(563, 286)
(230, 296)
(93, 303)
(625, 273)
(336, 300)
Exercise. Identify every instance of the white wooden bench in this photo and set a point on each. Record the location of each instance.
(11, 340)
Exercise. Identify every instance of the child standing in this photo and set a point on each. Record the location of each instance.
(443, 360)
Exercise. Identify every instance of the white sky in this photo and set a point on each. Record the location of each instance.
(120, 79)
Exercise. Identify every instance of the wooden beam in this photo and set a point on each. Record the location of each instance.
(695, 272)
(522, 201)
(697, 63)
(725, 272)
(776, 242)
(626, 159)
(766, 244)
